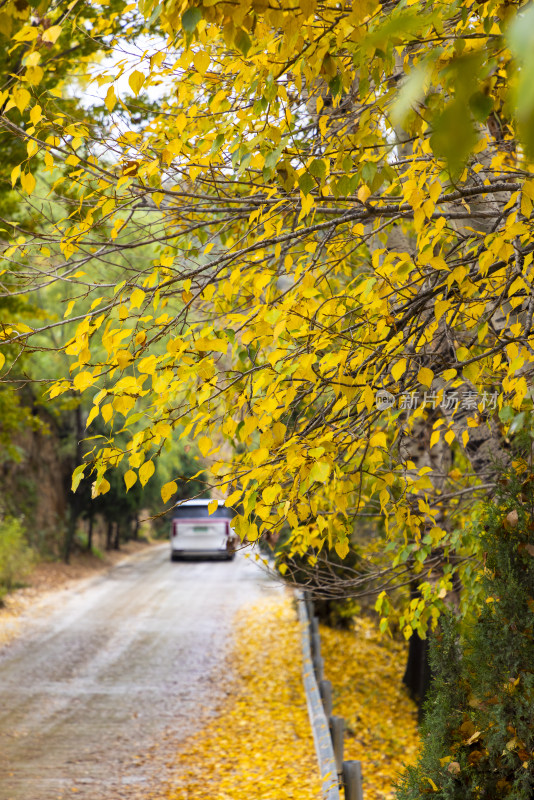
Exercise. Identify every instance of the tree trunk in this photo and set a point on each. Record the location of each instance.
(74, 502)
(116, 541)
(69, 534)
(109, 535)
(418, 673)
(90, 534)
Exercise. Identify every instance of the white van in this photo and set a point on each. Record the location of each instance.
(195, 532)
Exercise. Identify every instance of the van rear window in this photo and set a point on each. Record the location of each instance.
(201, 512)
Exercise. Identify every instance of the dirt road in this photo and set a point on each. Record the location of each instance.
(106, 670)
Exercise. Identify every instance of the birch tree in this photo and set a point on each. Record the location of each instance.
(340, 308)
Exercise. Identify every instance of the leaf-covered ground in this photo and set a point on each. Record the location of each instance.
(366, 672)
(260, 745)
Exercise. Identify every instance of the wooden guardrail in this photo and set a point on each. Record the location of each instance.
(328, 730)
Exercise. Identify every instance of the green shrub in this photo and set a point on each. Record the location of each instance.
(16, 557)
(478, 737)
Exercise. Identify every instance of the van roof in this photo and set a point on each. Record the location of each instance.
(193, 503)
(198, 509)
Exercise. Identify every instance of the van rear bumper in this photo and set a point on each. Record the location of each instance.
(222, 555)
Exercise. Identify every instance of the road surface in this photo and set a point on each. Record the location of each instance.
(107, 669)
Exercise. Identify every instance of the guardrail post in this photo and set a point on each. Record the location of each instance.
(352, 780)
(325, 687)
(316, 645)
(308, 602)
(337, 729)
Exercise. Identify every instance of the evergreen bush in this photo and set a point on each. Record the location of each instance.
(478, 733)
(16, 557)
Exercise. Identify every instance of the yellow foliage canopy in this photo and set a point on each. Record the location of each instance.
(340, 202)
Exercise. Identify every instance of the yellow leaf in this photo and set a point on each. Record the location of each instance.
(398, 369)
(59, 388)
(320, 472)
(2, 360)
(425, 376)
(378, 439)
(252, 533)
(36, 115)
(204, 445)
(146, 472)
(123, 357)
(23, 328)
(34, 75)
(201, 60)
(342, 548)
(136, 81)
(233, 498)
(465, 438)
(69, 308)
(51, 34)
(168, 490)
(111, 99)
(440, 307)
(27, 182)
(26, 34)
(147, 365)
(368, 397)
(434, 439)
(83, 380)
(100, 487)
(449, 437)
(123, 404)
(92, 414)
(212, 506)
(15, 172)
(270, 494)
(33, 59)
(130, 478)
(136, 298)
(205, 345)
(363, 193)
(77, 476)
(21, 98)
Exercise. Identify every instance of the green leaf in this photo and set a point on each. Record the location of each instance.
(506, 414)
(306, 183)
(217, 143)
(317, 168)
(190, 19)
(242, 41)
(481, 106)
(77, 476)
(521, 43)
(272, 158)
(411, 92)
(336, 85)
(454, 136)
